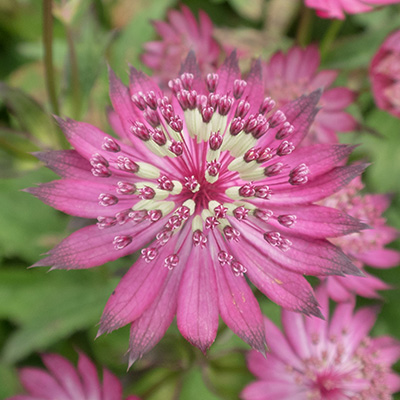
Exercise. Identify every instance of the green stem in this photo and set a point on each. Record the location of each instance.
(48, 54)
(75, 83)
(304, 30)
(330, 37)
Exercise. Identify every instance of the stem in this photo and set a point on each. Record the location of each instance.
(329, 37)
(304, 30)
(76, 87)
(48, 54)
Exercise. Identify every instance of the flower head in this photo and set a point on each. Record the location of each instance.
(179, 35)
(365, 247)
(209, 184)
(384, 74)
(63, 381)
(338, 8)
(288, 76)
(314, 359)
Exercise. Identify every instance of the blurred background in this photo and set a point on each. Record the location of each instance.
(59, 311)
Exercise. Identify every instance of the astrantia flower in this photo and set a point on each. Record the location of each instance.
(384, 74)
(338, 8)
(61, 381)
(288, 76)
(209, 185)
(179, 35)
(314, 359)
(365, 247)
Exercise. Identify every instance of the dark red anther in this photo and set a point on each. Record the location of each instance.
(287, 220)
(267, 105)
(126, 164)
(285, 131)
(240, 213)
(263, 215)
(187, 80)
(165, 183)
(224, 258)
(158, 136)
(138, 100)
(207, 113)
(273, 169)
(175, 85)
(138, 215)
(242, 109)
(154, 215)
(215, 141)
(149, 254)
(285, 148)
(213, 167)
(298, 175)
(247, 190)
(237, 126)
(265, 155)
(147, 193)
(111, 145)
(211, 222)
(152, 117)
(225, 104)
(220, 211)
(277, 118)
(176, 123)
(140, 130)
(213, 100)
(250, 123)
(252, 154)
(106, 222)
(231, 233)
(123, 216)
(151, 99)
(107, 199)
(121, 241)
(100, 170)
(199, 238)
(176, 148)
(238, 88)
(263, 192)
(171, 261)
(125, 188)
(212, 82)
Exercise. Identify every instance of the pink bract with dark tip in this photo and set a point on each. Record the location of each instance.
(206, 215)
(366, 247)
(338, 8)
(180, 34)
(335, 359)
(384, 73)
(288, 76)
(62, 381)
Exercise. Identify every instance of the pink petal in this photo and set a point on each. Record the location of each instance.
(89, 376)
(337, 98)
(381, 258)
(112, 388)
(228, 73)
(197, 313)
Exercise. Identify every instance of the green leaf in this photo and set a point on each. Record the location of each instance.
(29, 226)
(194, 387)
(49, 307)
(8, 381)
(30, 116)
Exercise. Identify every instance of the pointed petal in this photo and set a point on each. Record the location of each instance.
(89, 376)
(112, 388)
(228, 73)
(197, 313)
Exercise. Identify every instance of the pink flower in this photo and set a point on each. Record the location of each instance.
(288, 76)
(384, 74)
(337, 8)
(209, 185)
(366, 247)
(179, 35)
(62, 381)
(323, 360)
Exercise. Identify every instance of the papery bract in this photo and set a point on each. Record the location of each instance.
(338, 8)
(288, 76)
(208, 193)
(62, 381)
(332, 359)
(384, 73)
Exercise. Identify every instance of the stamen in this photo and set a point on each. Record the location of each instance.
(106, 222)
(125, 188)
(287, 220)
(285, 148)
(238, 88)
(212, 82)
(149, 254)
(171, 261)
(111, 145)
(121, 242)
(231, 233)
(298, 175)
(106, 199)
(140, 131)
(276, 240)
(126, 164)
(273, 169)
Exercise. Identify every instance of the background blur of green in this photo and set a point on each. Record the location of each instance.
(59, 311)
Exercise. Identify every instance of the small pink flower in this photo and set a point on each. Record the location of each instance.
(62, 381)
(384, 74)
(288, 76)
(179, 35)
(365, 247)
(313, 359)
(210, 185)
(337, 8)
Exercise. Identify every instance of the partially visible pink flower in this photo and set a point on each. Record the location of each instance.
(210, 184)
(335, 359)
(179, 35)
(384, 74)
(338, 8)
(366, 247)
(288, 76)
(62, 381)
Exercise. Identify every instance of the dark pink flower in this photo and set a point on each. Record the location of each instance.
(210, 185)
(313, 359)
(365, 247)
(62, 381)
(384, 74)
(180, 34)
(288, 76)
(338, 8)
